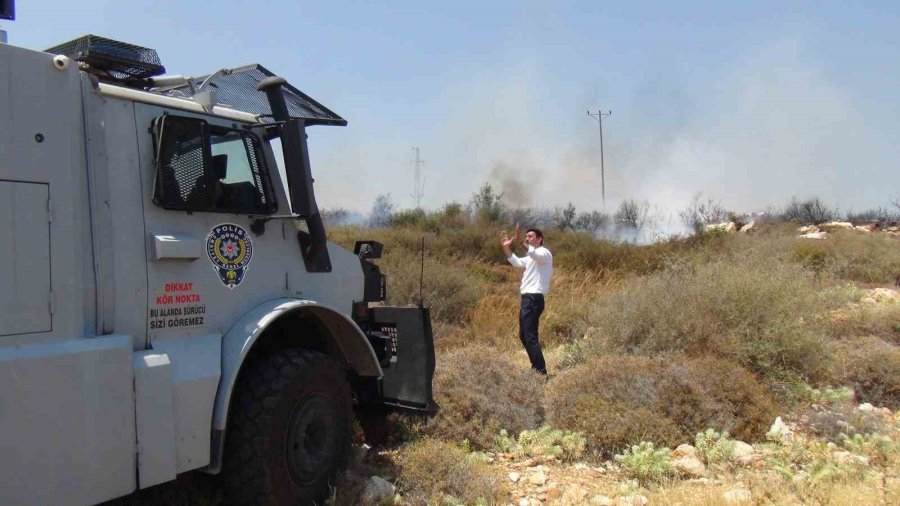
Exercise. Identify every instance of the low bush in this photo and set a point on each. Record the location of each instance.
(714, 447)
(871, 366)
(436, 472)
(544, 442)
(881, 320)
(877, 447)
(756, 313)
(617, 401)
(646, 463)
(851, 255)
(480, 391)
(844, 420)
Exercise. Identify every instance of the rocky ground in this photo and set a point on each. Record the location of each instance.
(748, 474)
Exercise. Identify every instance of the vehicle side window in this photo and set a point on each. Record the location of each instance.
(200, 167)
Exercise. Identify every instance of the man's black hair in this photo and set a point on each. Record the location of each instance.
(538, 233)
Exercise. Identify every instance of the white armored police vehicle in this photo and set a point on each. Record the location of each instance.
(169, 300)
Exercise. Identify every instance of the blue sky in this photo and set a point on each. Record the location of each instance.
(748, 104)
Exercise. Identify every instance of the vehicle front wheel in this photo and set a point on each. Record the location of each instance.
(289, 430)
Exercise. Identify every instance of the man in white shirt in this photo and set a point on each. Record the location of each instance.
(538, 265)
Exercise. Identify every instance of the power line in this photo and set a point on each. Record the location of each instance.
(419, 182)
(599, 117)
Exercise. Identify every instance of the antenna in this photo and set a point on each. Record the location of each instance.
(422, 276)
(418, 183)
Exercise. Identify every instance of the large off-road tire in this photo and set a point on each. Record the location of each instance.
(289, 430)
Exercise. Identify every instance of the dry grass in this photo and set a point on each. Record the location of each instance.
(756, 302)
(759, 314)
(435, 472)
(871, 366)
(854, 256)
(480, 391)
(494, 319)
(881, 320)
(617, 401)
(773, 490)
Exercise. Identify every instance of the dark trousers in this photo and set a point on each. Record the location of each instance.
(529, 314)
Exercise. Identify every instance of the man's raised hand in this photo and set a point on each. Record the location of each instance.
(505, 241)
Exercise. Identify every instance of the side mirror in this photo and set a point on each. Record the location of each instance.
(366, 250)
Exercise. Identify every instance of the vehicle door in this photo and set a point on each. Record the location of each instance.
(209, 182)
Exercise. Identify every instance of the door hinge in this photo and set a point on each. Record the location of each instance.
(51, 302)
(49, 210)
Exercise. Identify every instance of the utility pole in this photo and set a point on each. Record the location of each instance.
(419, 183)
(599, 117)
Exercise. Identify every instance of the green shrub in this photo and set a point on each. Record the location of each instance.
(871, 367)
(408, 218)
(436, 472)
(544, 442)
(617, 401)
(646, 463)
(877, 447)
(480, 391)
(758, 313)
(824, 395)
(714, 447)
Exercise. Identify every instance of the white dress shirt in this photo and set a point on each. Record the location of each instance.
(538, 265)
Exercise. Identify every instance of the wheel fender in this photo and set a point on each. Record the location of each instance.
(240, 338)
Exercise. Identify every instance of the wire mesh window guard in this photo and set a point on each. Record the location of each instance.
(200, 167)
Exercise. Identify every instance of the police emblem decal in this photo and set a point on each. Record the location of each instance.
(229, 248)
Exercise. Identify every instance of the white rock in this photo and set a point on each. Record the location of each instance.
(377, 490)
(537, 478)
(814, 235)
(842, 457)
(748, 227)
(691, 466)
(573, 495)
(779, 431)
(836, 224)
(524, 502)
(601, 500)
(807, 229)
(866, 407)
(632, 500)
(737, 496)
(553, 491)
(742, 453)
(884, 295)
(514, 476)
(684, 450)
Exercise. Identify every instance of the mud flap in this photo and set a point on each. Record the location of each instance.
(408, 362)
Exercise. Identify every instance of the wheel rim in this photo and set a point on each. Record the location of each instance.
(309, 440)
